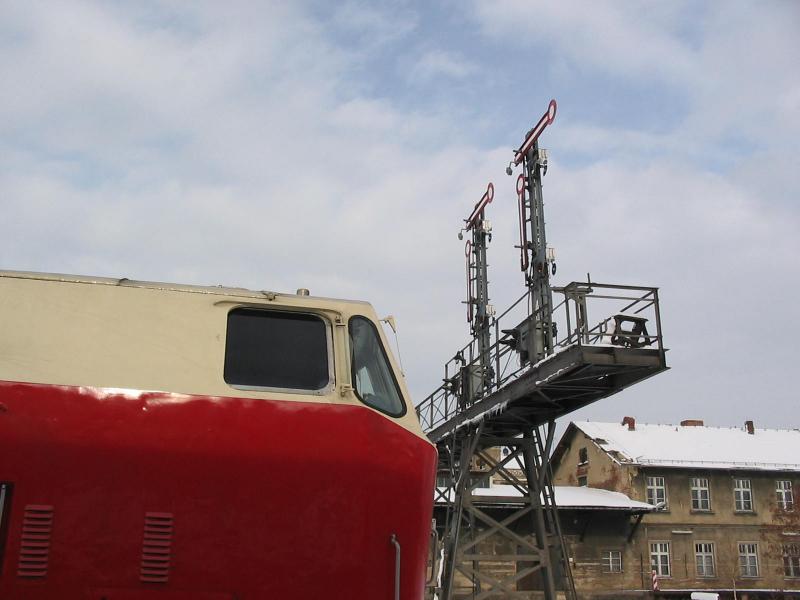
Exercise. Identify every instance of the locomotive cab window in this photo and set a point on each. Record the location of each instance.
(266, 349)
(373, 379)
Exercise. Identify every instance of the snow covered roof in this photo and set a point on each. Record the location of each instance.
(587, 497)
(570, 497)
(697, 446)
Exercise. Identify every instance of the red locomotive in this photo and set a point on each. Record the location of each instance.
(177, 442)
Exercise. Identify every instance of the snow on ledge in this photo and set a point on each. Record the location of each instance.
(567, 497)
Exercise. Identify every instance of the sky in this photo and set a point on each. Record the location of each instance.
(338, 146)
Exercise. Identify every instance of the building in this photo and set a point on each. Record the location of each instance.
(593, 518)
(726, 517)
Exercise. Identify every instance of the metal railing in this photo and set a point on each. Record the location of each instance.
(631, 319)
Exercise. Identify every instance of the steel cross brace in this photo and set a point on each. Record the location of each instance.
(531, 531)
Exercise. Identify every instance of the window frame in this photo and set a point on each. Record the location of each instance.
(608, 566)
(668, 554)
(479, 482)
(781, 494)
(705, 552)
(695, 486)
(656, 487)
(382, 347)
(585, 479)
(790, 552)
(753, 554)
(738, 495)
(583, 456)
(325, 390)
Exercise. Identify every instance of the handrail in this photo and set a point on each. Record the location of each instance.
(396, 544)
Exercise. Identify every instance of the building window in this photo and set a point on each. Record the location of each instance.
(748, 559)
(783, 490)
(742, 495)
(791, 560)
(612, 561)
(659, 558)
(277, 350)
(657, 492)
(704, 559)
(701, 497)
(583, 456)
(583, 481)
(479, 481)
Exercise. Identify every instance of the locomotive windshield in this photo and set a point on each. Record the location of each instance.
(373, 379)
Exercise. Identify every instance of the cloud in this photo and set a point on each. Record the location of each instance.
(638, 39)
(374, 24)
(730, 66)
(437, 64)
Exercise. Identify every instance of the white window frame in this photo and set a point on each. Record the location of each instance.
(698, 485)
(784, 494)
(611, 561)
(748, 559)
(658, 550)
(704, 559)
(742, 495)
(791, 560)
(654, 484)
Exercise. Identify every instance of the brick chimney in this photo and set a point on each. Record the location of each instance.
(630, 422)
(692, 423)
(748, 425)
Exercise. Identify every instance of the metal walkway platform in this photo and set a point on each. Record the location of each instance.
(564, 382)
(588, 364)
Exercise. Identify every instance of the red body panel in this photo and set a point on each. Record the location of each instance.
(269, 499)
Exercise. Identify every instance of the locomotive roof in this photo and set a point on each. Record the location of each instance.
(219, 290)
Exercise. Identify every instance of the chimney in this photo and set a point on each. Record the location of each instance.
(692, 423)
(630, 422)
(748, 425)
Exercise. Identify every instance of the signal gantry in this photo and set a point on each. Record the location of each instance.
(506, 387)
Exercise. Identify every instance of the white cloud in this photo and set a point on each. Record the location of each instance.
(435, 64)
(637, 39)
(732, 65)
(375, 25)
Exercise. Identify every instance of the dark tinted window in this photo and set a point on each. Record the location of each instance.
(373, 378)
(271, 349)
